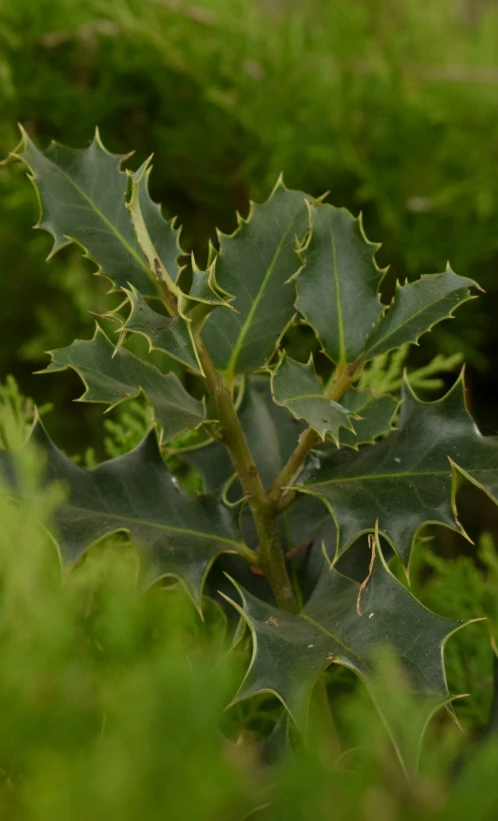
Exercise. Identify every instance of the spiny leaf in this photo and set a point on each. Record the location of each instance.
(112, 379)
(376, 415)
(407, 480)
(290, 651)
(296, 387)
(337, 287)
(203, 289)
(162, 266)
(136, 493)
(416, 307)
(150, 226)
(167, 334)
(254, 265)
(82, 197)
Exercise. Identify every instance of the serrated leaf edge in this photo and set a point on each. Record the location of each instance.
(25, 140)
(458, 526)
(367, 356)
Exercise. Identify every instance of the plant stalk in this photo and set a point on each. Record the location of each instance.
(263, 509)
(271, 557)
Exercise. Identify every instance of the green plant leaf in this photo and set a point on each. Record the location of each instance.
(415, 308)
(376, 416)
(296, 387)
(166, 334)
(203, 288)
(113, 376)
(82, 197)
(254, 265)
(337, 286)
(163, 265)
(136, 493)
(408, 479)
(290, 651)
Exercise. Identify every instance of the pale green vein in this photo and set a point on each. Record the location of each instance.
(184, 531)
(395, 329)
(373, 476)
(340, 319)
(255, 304)
(107, 222)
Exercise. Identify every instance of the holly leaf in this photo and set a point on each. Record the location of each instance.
(255, 265)
(376, 416)
(111, 377)
(296, 387)
(180, 535)
(204, 289)
(82, 197)
(415, 309)
(290, 651)
(408, 479)
(337, 288)
(171, 335)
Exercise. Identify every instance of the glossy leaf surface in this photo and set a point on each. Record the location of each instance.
(337, 287)
(136, 493)
(407, 480)
(289, 652)
(375, 416)
(112, 377)
(82, 194)
(416, 307)
(168, 334)
(254, 265)
(296, 387)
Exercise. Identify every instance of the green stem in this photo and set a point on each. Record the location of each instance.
(271, 557)
(343, 379)
(263, 509)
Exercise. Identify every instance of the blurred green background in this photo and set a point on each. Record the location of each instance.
(391, 105)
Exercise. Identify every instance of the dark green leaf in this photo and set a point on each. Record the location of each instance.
(289, 652)
(416, 307)
(376, 415)
(406, 480)
(337, 287)
(82, 194)
(254, 265)
(136, 493)
(113, 376)
(167, 334)
(203, 288)
(296, 386)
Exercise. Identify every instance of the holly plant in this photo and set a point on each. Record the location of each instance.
(261, 350)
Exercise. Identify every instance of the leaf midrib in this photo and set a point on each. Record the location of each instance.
(335, 405)
(105, 220)
(340, 318)
(375, 476)
(393, 331)
(331, 635)
(170, 528)
(257, 299)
